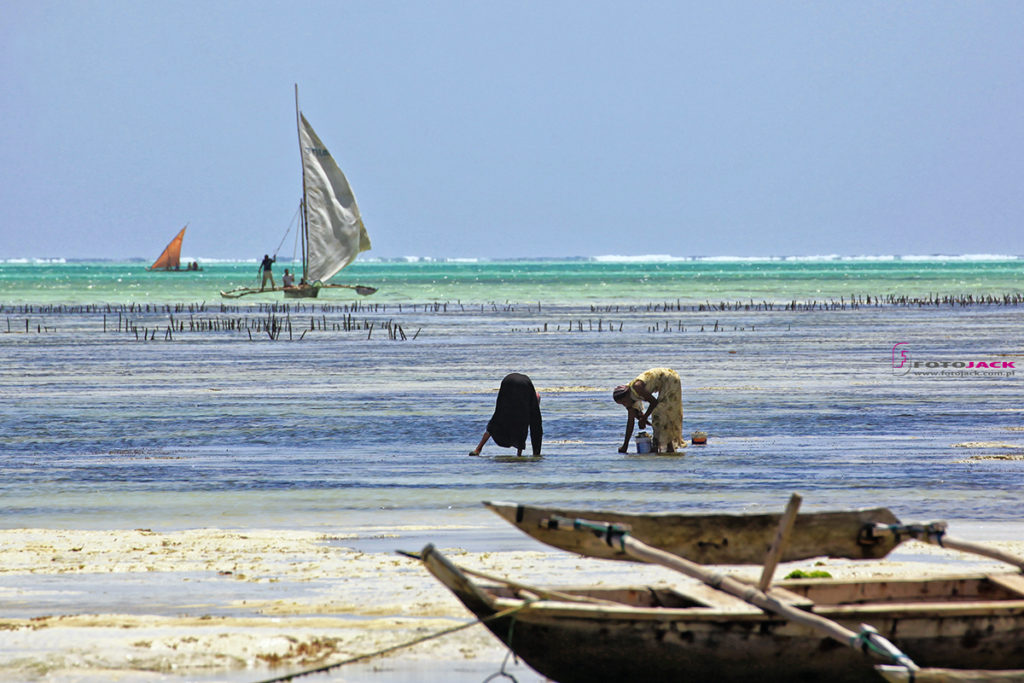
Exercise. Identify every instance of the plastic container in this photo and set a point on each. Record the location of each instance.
(644, 443)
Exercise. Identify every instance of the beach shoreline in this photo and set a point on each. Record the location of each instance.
(190, 496)
(252, 604)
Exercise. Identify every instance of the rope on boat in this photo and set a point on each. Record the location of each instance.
(611, 533)
(929, 533)
(416, 641)
(290, 224)
(870, 639)
(501, 673)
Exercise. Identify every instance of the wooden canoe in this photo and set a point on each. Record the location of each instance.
(713, 539)
(692, 632)
(300, 291)
(296, 291)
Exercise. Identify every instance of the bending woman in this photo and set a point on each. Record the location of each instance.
(516, 411)
(665, 412)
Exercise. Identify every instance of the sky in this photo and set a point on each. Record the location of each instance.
(497, 129)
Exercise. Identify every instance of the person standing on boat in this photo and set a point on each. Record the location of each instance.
(516, 411)
(267, 274)
(665, 412)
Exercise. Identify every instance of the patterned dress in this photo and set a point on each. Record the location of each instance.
(667, 417)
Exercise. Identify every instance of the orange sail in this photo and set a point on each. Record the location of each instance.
(170, 259)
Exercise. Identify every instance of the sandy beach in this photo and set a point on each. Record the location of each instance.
(248, 605)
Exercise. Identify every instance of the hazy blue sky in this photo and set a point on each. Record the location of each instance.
(506, 128)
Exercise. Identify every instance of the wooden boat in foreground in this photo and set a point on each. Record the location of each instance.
(968, 627)
(646, 633)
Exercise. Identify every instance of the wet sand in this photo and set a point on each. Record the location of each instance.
(247, 605)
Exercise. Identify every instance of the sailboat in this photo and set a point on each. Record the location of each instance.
(330, 228)
(170, 257)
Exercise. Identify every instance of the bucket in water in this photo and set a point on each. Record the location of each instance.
(643, 443)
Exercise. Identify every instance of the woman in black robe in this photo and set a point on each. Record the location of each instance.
(516, 411)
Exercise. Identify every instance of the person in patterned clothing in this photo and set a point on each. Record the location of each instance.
(664, 411)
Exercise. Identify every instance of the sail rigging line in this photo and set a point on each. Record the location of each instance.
(290, 224)
(298, 233)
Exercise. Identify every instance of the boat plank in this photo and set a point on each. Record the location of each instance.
(711, 597)
(888, 589)
(591, 612)
(1014, 583)
(929, 610)
(789, 597)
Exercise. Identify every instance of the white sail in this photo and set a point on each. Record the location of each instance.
(335, 231)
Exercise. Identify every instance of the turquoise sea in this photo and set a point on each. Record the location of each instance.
(572, 282)
(138, 399)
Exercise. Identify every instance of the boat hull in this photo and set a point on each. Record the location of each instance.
(574, 642)
(763, 650)
(301, 292)
(710, 539)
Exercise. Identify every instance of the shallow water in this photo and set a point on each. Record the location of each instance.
(102, 428)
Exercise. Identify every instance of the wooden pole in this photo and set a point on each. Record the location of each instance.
(978, 549)
(898, 674)
(771, 560)
(745, 592)
(935, 533)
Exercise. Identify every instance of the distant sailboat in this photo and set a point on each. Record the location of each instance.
(331, 229)
(170, 258)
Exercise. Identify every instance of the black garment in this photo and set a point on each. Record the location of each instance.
(516, 410)
(267, 263)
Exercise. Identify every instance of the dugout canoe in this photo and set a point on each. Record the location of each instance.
(689, 631)
(712, 538)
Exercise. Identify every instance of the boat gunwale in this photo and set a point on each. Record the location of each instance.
(993, 608)
(932, 608)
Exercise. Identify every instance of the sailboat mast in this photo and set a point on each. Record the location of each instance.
(304, 234)
(302, 161)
